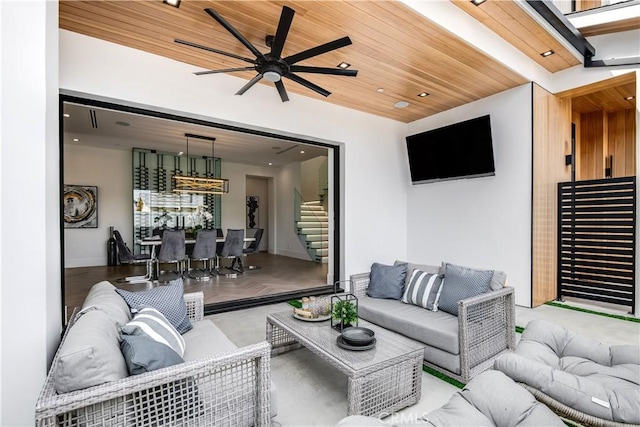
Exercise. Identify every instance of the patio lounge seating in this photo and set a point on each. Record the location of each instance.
(490, 399)
(579, 378)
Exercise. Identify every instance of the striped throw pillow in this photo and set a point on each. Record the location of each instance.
(151, 323)
(423, 290)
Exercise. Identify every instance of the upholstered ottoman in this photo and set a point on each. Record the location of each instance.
(490, 399)
(576, 376)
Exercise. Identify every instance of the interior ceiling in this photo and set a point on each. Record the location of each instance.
(394, 48)
(101, 128)
(609, 100)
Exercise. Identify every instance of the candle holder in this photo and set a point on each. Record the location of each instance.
(344, 308)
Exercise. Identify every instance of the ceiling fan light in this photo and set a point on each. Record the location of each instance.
(271, 76)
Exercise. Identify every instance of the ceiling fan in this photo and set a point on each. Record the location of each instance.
(271, 66)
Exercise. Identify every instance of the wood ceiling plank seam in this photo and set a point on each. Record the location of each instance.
(433, 39)
(399, 36)
(504, 31)
(597, 86)
(530, 37)
(562, 56)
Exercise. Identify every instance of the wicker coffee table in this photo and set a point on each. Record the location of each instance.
(382, 380)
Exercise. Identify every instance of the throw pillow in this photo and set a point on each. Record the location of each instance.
(423, 290)
(142, 354)
(462, 283)
(151, 323)
(168, 300)
(386, 281)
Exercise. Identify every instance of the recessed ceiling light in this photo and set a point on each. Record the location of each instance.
(66, 115)
(180, 153)
(478, 2)
(380, 90)
(301, 151)
(547, 53)
(630, 98)
(401, 104)
(174, 3)
(75, 140)
(344, 65)
(123, 124)
(423, 94)
(270, 164)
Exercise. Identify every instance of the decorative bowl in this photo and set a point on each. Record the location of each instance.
(355, 335)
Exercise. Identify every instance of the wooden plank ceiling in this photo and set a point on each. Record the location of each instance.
(507, 19)
(607, 95)
(393, 48)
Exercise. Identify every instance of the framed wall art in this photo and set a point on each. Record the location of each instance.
(80, 206)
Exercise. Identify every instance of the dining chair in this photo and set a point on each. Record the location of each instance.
(232, 248)
(252, 248)
(204, 251)
(172, 250)
(126, 257)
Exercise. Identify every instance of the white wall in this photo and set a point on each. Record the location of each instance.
(483, 222)
(86, 247)
(30, 298)
(310, 185)
(91, 66)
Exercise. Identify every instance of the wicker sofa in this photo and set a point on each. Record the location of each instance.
(459, 346)
(218, 383)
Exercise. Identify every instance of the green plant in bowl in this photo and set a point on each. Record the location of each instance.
(345, 313)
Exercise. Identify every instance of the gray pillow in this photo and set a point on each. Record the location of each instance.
(462, 283)
(168, 300)
(142, 354)
(423, 290)
(151, 323)
(386, 281)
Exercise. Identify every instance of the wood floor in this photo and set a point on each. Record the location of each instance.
(278, 275)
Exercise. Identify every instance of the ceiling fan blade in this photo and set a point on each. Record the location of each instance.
(318, 50)
(210, 49)
(308, 84)
(282, 91)
(234, 32)
(323, 70)
(226, 70)
(246, 87)
(283, 30)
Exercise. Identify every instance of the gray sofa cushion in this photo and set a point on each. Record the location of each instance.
(492, 399)
(205, 339)
(142, 354)
(577, 371)
(462, 283)
(90, 354)
(102, 295)
(386, 281)
(438, 329)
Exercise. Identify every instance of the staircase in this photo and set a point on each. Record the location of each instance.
(313, 230)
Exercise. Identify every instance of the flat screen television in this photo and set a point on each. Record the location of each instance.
(461, 150)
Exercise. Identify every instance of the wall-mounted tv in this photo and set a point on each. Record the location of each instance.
(461, 150)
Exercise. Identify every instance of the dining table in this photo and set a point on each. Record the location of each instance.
(157, 241)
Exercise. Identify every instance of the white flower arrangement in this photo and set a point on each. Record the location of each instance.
(199, 216)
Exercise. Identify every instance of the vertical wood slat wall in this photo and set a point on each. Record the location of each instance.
(602, 135)
(551, 142)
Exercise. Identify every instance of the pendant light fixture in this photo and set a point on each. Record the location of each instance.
(196, 184)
